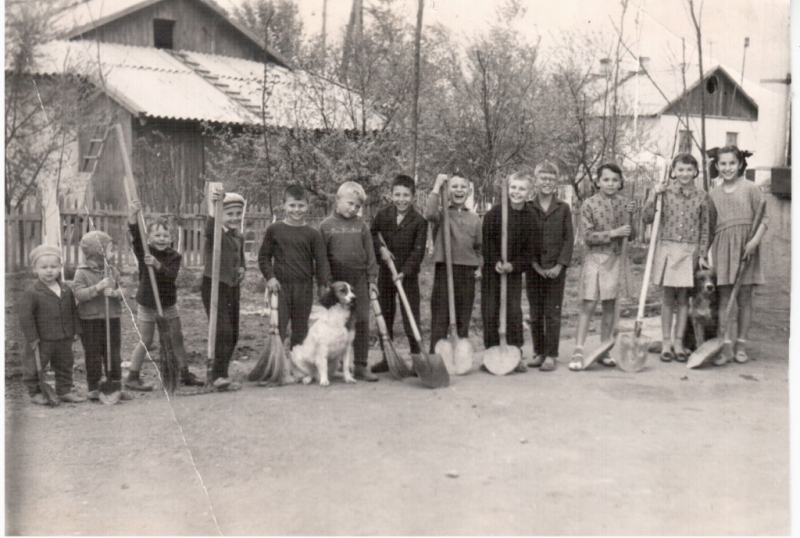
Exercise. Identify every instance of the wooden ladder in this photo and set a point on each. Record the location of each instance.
(97, 143)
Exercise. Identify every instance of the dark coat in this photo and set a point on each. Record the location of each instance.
(43, 315)
(555, 239)
(166, 275)
(406, 241)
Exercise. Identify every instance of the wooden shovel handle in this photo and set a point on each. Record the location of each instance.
(273, 313)
(504, 257)
(376, 309)
(622, 260)
(108, 328)
(651, 250)
(215, 267)
(402, 293)
(448, 254)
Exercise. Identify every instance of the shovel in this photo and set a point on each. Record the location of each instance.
(429, 368)
(109, 394)
(397, 366)
(711, 348)
(46, 389)
(502, 359)
(634, 348)
(455, 352)
(605, 347)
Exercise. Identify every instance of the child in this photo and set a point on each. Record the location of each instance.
(352, 259)
(166, 263)
(231, 275)
(466, 244)
(732, 208)
(92, 289)
(291, 254)
(604, 275)
(405, 230)
(49, 321)
(520, 231)
(552, 254)
(682, 242)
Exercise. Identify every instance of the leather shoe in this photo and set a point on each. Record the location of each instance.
(363, 373)
(381, 368)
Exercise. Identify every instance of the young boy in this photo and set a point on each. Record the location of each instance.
(352, 258)
(521, 229)
(92, 289)
(166, 262)
(466, 243)
(552, 254)
(404, 230)
(291, 254)
(231, 274)
(49, 320)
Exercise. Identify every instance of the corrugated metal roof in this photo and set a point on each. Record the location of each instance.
(191, 86)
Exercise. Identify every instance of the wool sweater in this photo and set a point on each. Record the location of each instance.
(231, 254)
(166, 275)
(293, 254)
(466, 234)
(91, 301)
(349, 246)
(599, 215)
(406, 241)
(684, 215)
(45, 316)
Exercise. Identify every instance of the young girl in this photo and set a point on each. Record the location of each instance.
(552, 254)
(732, 208)
(166, 263)
(682, 241)
(92, 288)
(466, 240)
(604, 275)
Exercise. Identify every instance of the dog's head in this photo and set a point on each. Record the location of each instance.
(339, 293)
(705, 281)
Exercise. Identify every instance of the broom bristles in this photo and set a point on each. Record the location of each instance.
(170, 369)
(272, 366)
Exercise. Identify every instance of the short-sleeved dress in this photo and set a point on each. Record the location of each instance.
(604, 274)
(731, 216)
(682, 236)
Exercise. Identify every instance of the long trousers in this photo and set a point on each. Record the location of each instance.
(227, 325)
(545, 296)
(294, 304)
(93, 338)
(56, 353)
(389, 299)
(490, 309)
(464, 284)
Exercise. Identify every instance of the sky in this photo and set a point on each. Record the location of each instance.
(662, 24)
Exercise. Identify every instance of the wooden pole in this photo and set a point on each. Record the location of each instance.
(415, 102)
(215, 267)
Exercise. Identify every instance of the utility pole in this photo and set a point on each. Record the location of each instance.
(415, 104)
(324, 25)
(741, 80)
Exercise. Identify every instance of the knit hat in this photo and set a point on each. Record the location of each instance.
(232, 199)
(93, 244)
(44, 250)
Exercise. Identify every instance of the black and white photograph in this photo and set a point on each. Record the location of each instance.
(398, 267)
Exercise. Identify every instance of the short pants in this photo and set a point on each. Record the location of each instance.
(149, 314)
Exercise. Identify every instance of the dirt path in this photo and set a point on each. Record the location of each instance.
(666, 451)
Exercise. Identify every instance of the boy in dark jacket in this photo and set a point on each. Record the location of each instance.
(166, 262)
(231, 275)
(521, 229)
(552, 254)
(49, 319)
(404, 230)
(351, 254)
(291, 254)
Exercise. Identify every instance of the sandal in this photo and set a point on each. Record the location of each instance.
(607, 360)
(667, 355)
(576, 362)
(548, 365)
(725, 354)
(741, 355)
(681, 355)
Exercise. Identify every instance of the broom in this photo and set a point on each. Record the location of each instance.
(273, 366)
(170, 370)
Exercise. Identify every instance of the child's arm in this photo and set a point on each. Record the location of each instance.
(27, 318)
(479, 249)
(372, 263)
(432, 208)
(169, 267)
(265, 258)
(568, 240)
(414, 260)
(592, 236)
(321, 263)
(752, 245)
(374, 229)
(83, 291)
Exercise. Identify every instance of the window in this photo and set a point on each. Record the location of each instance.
(685, 142)
(731, 139)
(711, 84)
(162, 33)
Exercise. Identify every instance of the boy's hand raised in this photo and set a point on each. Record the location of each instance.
(274, 286)
(152, 261)
(440, 179)
(133, 209)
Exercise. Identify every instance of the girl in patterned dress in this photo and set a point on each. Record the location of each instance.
(682, 243)
(732, 208)
(604, 274)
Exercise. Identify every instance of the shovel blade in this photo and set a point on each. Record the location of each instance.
(49, 394)
(444, 348)
(462, 357)
(592, 357)
(431, 370)
(633, 352)
(397, 366)
(110, 393)
(708, 350)
(501, 360)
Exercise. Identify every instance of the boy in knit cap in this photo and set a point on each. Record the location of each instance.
(49, 321)
(231, 275)
(92, 288)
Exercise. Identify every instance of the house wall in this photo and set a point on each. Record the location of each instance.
(197, 28)
(726, 101)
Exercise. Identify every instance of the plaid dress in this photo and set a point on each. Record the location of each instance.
(604, 274)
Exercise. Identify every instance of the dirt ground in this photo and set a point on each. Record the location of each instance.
(665, 451)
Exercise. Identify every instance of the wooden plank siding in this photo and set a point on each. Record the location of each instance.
(719, 103)
(197, 28)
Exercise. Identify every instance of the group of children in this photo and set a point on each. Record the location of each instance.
(294, 254)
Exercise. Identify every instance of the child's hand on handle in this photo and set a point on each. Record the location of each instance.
(386, 255)
(659, 187)
(274, 286)
(322, 291)
(110, 292)
(133, 210)
(478, 273)
(554, 271)
(440, 179)
(399, 277)
(240, 275)
(35, 344)
(106, 283)
(622, 231)
(152, 261)
(630, 207)
(749, 249)
(373, 289)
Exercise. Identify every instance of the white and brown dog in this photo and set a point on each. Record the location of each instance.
(703, 309)
(330, 338)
